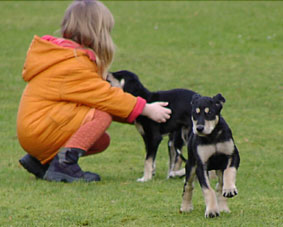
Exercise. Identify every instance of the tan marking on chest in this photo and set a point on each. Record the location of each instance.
(206, 151)
(225, 147)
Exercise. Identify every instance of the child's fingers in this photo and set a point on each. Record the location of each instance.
(166, 110)
(163, 103)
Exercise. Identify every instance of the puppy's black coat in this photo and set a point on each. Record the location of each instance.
(210, 147)
(179, 102)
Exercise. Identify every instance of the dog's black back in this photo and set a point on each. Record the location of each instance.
(179, 101)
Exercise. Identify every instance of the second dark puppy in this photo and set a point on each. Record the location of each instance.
(179, 123)
(211, 147)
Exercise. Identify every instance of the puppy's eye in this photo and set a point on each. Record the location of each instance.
(197, 110)
(207, 111)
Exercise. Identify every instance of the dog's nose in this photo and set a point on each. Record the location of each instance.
(200, 128)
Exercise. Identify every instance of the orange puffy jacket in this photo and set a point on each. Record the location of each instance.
(63, 87)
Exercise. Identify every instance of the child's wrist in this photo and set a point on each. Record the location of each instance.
(146, 110)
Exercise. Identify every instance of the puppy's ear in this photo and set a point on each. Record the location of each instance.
(219, 100)
(195, 98)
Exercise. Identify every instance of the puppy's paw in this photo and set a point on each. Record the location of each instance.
(171, 174)
(185, 208)
(174, 174)
(224, 209)
(211, 213)
(143, 179)
(229, 192)
(179, 173)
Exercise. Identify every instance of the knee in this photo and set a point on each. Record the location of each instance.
(105, 141)
(103, 117)
(101, 144)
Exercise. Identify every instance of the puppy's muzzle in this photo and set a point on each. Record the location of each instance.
(200, 128)
(113, 81)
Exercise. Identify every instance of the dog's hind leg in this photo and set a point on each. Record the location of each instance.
(187, 204)
(148, 170)
(222, 201)
(172, 156)
(175, 145)
(180, 139)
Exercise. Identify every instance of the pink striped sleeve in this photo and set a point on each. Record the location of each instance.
(137, 109)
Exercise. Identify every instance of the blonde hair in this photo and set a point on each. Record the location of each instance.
(89, 23)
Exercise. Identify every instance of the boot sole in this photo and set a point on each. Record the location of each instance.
(60, 177)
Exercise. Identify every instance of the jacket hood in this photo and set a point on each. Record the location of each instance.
(47, 51)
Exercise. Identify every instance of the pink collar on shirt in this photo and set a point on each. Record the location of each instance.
(69, 44)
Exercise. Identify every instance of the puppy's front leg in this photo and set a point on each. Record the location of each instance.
(148, 170)
(229, 181)
(151, 149)
(212, 209)
(172, 156)
(179, 140)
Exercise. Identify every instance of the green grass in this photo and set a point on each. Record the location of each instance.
(233, 48)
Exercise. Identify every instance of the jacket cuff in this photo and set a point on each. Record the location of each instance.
(140, 104)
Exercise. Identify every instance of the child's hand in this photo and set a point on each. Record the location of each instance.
(157, 112)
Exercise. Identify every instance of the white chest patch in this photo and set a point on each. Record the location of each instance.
(225, 147)
(206, 151)
(139, 128)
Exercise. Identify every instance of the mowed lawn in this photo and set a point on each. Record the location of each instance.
(232, 48)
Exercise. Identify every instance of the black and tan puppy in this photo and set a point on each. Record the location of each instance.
(211, 147)
(177, 126)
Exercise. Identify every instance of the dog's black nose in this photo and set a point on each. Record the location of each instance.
(200, 128)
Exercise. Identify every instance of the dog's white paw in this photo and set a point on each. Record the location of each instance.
(222, 204)
(178, 173)
(143, 179)
(171, 174)
(224, 208)
(185, 208)
(229, 192)
(211, 213)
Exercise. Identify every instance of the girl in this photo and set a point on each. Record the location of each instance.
(67, 104)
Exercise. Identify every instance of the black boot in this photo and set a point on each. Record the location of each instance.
(33, 166)
(64, 167)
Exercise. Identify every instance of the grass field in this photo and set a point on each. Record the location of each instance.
(233, 48)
